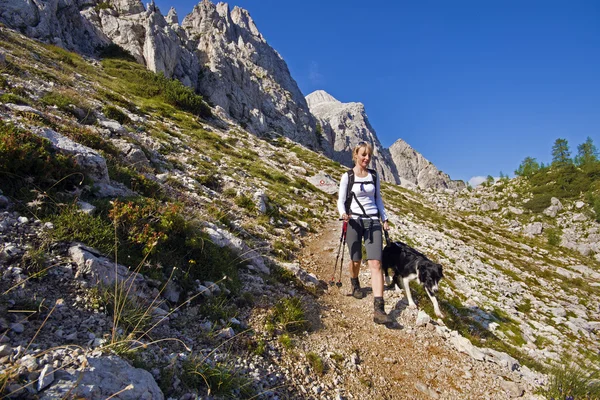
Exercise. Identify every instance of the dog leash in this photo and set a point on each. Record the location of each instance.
(387, 237)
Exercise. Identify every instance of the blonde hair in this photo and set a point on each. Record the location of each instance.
(359, 147)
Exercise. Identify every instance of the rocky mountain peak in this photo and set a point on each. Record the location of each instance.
(320, 96)
(172, 17)
(416, 171)
(244, 76)
(343, 126)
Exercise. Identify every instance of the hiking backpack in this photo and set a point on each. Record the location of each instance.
(350, 194)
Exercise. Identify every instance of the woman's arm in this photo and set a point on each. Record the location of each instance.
(342, 195)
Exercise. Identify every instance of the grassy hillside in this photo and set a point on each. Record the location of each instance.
(180, 168)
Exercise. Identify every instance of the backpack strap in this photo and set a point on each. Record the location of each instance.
(348, 201)
(351, 195)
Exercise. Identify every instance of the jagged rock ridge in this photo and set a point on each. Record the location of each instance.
(343, 126)
(245, 76)
(346, 124)
(218, 52)
(416, 170)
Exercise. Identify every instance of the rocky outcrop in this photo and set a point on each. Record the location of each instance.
(155, 41)
(54, 21)
(245, 76)
(218, 52)
(343, 126)
(415, 170)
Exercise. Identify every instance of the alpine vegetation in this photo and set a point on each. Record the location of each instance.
(168, 227)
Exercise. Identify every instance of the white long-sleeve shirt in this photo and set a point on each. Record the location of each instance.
(365, 193)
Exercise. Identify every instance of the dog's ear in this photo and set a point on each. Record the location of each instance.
(439, 270)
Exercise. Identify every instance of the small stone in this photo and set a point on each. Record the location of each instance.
(17, 327)
(29, 362)
(5, 350)
(421, 387)
(512, 389)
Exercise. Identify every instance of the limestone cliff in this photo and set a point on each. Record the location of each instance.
(344, 125)
(245, 76)
(416, 170)
(218, 52)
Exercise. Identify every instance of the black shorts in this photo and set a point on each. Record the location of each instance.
(367, 230)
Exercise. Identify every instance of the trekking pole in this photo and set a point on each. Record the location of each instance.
(344, 230)
(332, 282)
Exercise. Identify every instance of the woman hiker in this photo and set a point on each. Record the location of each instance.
(360, 205)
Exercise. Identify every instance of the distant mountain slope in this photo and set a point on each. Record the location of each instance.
(218, 52)
(346, 124)
(416, 170)
(343, 126)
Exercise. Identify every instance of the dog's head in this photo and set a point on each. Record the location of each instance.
(430, 275)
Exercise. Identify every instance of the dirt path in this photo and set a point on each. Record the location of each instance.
(375, 362)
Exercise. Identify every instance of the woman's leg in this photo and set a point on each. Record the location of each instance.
(376, 277)
(373, 243)
(354, 240)
(354, 267)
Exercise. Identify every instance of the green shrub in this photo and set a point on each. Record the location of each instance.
(28, 162)
(14, 98)
(245, 202)
(128, 310)
(539, 202)
(525, 306)
(595, 203)
(210, 180)
(286, 341)
(113, 112)
(569, 381)
(553, 235)
(220, 378)
(61, 100)
(160, 234)
(71, 225)
(218, 308)
(316, 362)
(69, 103)
(134, 79)
(181, 96)
(62, 55)
(288, 315)
(134, 180)
(103, 5)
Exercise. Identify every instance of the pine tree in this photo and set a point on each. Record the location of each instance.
(587, 154)
(561, 154)
(528, 167)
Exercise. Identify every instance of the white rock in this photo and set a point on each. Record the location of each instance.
(46, 377)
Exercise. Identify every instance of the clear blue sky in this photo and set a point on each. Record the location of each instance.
(475, 86)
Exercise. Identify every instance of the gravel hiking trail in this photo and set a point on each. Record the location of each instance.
(379, 362)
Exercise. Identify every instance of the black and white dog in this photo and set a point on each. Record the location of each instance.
(408, 264)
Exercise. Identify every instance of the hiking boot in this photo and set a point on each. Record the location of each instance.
(379, 315)
(357, 292)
